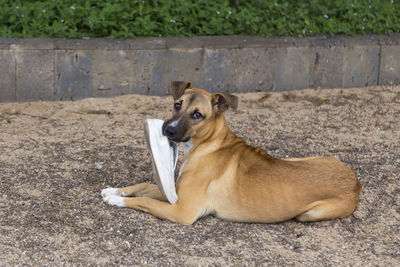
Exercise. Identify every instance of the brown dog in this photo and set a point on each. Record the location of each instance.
(221, 175)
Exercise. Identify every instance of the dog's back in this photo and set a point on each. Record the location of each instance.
(246, 184)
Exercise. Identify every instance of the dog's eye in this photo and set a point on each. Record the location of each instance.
(197, 115)
(178, 106)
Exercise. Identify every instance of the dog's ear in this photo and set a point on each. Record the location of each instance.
(223, 101)
(177, 88)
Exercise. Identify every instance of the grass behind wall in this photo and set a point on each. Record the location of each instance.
(132, 18)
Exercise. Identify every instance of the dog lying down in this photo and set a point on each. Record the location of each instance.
(223, 176)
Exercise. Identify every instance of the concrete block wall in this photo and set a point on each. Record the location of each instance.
(64, 69)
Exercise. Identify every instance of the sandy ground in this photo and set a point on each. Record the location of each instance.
(57, 156)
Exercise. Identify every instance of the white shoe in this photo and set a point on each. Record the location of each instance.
(164, 156)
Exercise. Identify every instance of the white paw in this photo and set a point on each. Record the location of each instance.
(109, 192)
(114, 200)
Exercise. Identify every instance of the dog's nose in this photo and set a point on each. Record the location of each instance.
(169, 131)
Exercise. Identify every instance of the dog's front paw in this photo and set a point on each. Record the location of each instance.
(114, 200)
(109, 192)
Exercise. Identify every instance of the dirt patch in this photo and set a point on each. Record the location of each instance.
(57, 156)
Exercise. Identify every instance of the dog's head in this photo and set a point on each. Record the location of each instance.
(195, 111)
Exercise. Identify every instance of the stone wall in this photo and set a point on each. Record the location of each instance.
(65, 69)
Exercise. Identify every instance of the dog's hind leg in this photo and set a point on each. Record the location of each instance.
(327, 209)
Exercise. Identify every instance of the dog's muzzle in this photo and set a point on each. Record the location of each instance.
(174, 131)
(170, 131)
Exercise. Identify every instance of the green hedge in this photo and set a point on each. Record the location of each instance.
(132, 18)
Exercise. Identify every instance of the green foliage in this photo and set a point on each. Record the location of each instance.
(133, 18)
